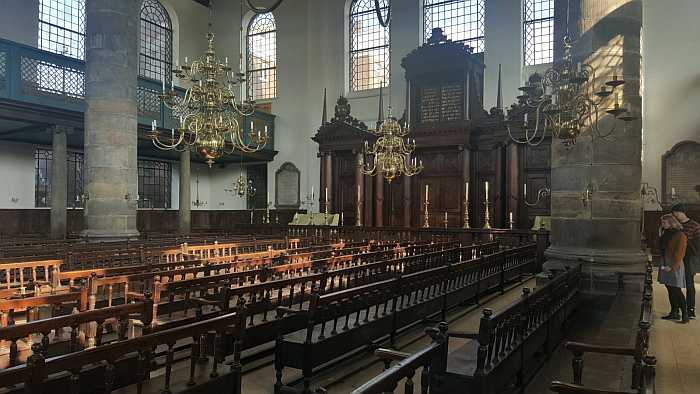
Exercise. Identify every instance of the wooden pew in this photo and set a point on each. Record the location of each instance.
(347, 320)
(643, 364)
(501, 357)
(29, 275)
(129, 363)
(86, 327)
(76, 298)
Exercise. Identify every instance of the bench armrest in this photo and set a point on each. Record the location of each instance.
(578, 347)
(568, 388)
(463, 334)
(388, 354)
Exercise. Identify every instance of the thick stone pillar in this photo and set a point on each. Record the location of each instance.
(111, 54)
(184, 214)
(59, 179)
(596, 184)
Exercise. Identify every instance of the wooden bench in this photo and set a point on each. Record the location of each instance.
(29, 275)
(501, 357)
(344, 321)
(643, 364)
(130, 363)
(86, 328)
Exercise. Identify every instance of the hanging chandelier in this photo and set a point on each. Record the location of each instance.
(565, 104)
(391, 154)
(242, 186)
(208, 116)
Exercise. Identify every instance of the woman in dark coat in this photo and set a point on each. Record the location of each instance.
(671, 273)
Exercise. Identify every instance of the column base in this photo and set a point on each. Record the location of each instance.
(601, 269)
(104, 236)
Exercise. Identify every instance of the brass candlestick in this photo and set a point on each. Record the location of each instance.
(267, 213)
(487, 217)
(426, 215)
(466, 214)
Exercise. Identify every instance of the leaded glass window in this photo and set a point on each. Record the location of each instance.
(460, 20)
(155, 184)
(262, 57)
(156, 42)
(62, 27)
(369, 46)
(43, 161)
(538, 31)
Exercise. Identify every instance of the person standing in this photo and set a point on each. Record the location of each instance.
(691, 261)
(672, 271)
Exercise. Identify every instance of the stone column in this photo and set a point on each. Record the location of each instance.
(184, 214)
(59, 179)
(111, 54)
(596, 184)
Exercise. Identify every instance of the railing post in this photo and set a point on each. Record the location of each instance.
(36, 364)
(484, 341)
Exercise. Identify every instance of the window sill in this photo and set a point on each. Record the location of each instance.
(365, 93)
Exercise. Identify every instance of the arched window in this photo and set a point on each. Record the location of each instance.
(538, 31)
(369, 46)
(62, 27)
(261, 53)
(155, 42)
(460, 20)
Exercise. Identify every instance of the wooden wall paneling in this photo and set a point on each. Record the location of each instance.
(514, 167)
(485, 171)
(345, 189)
(537, 169)
(394, 202)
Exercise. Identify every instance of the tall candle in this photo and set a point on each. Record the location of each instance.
(466, 191)
(312, 192)
(445, 216)
(358, 193)
(673, 192)
(268, 198)
(525, 190)
(487, 190)
(510, 217)
(426, 192)
(326, 195)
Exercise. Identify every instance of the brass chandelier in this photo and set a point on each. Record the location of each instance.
(391, 154)
(563, 103)
(242, 186)
(209, 118)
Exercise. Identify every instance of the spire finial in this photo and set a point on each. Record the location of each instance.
(499, 95)
(324, 116)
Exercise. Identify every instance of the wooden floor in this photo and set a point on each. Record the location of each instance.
(676, 347)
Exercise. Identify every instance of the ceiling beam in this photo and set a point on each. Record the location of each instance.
(202, 2)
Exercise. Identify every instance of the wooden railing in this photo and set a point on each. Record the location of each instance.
(503, 349)
(643, 364)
